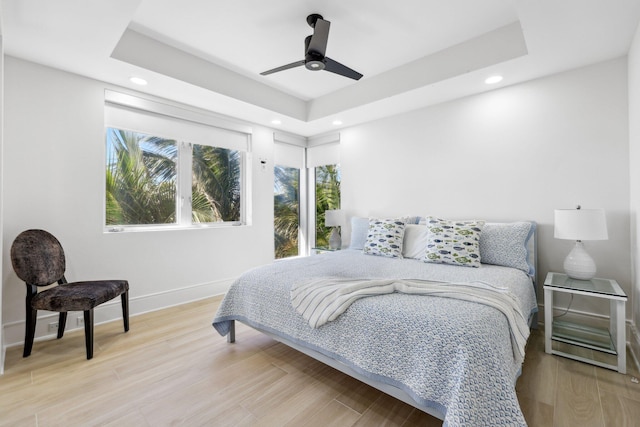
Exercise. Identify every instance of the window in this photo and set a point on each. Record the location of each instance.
(289, 196)
(141, 179)
(327, 198)
(323, 158)
(162, 170)
(306, 184)
(286, 211)
(216, 190)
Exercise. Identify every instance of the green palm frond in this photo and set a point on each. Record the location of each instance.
(286, 211)
(141, 179)
(327, 198)
(216, 179)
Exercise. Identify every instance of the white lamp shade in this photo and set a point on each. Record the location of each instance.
(580, 224)
(334, 218)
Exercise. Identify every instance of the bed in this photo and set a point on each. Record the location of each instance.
(451, 353)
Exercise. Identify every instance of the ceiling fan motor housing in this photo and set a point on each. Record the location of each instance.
(314, 64)
(312, 60)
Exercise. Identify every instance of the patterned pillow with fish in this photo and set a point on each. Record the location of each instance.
(384, 238)
(453, 242)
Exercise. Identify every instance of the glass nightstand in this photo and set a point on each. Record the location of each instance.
(611, 341)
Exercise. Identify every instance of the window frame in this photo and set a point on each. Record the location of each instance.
(184, 161)
(320, 151)
(313, 201)
(297, 161)
(300, 231)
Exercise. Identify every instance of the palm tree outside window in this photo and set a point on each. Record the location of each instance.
(143, 181)
(327, 198)
(286, 211)
(287, 206)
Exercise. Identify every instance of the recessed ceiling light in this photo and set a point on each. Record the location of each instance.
(337, 122)
(138, 80)
(493, 80)
(276, 122)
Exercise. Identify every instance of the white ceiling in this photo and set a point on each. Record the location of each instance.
(413, 53)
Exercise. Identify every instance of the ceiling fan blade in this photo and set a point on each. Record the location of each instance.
(282, 68)
(318, 43)
(337, 68)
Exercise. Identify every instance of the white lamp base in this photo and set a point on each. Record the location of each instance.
(579, 264)
(335, 240)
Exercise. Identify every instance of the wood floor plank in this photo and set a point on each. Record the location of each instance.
(333, 414)
(611, 382)
(21, 421)
(418, 418)
(221, 416)
(302, 404)
(539, 372)
(359, 396)
(172, 368)
(200, 399)
(620, 411)
(132, 418)
(385, 411)
(282, 389)
(578, 400)
(538, 414)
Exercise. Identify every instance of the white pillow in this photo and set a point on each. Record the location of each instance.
(359, 231)
(415, 241)
(385, 238)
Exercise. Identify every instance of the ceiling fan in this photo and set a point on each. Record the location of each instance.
(314, 50)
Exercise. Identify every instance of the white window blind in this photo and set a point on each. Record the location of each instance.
(325, 154)
(141, 115)
(288, 155)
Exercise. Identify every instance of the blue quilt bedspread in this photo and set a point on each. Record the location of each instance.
(452, 356)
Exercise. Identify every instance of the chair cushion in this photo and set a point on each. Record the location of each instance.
(79, 296)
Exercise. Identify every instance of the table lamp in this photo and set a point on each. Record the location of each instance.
(334, 218)
(580, 224)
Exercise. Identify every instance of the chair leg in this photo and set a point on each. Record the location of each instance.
(30, 330)
(62, 322)
(88, 332)
(30, 320)
(125, 310)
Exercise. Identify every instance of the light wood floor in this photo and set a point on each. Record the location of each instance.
(171, 368)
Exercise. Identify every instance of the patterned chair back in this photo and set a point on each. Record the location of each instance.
(38, 258)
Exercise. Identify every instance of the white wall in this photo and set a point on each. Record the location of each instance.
(54, 179)
(513, 153)
(510, 154)
(2, 346)
(634, 162)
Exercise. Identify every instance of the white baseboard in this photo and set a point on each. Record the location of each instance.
(111, 311)
(3, 351)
